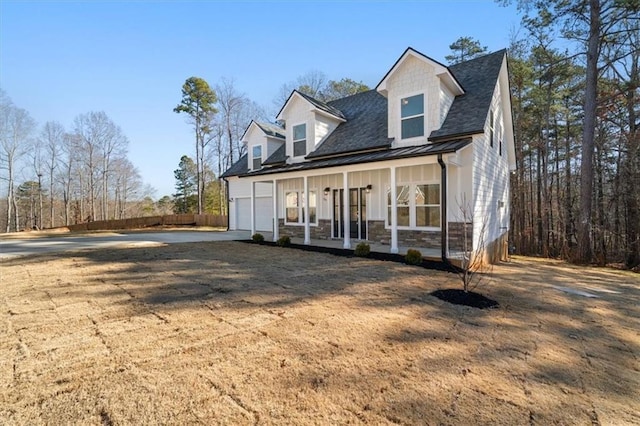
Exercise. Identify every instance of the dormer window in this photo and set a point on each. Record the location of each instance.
(412, 115)
(299, 140)
(257, 157)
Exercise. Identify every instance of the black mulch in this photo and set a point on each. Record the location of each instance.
(427, 264)
(459, 297)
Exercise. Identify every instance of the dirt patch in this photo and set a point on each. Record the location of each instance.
(232, 333)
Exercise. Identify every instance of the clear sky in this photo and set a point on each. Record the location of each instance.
(59, 59)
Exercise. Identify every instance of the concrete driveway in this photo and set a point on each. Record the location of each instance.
(46, 243)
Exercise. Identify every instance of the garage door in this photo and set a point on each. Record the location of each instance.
(264, 214)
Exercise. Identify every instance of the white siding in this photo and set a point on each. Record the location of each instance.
(323, 127)
(412, 77)
(490, 180)
(272, 146)
(446, 99)
(299, 112)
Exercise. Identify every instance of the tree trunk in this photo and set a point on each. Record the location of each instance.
(584, 254)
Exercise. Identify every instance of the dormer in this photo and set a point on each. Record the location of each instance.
(262, 140)
(308, 122)
(419, 92)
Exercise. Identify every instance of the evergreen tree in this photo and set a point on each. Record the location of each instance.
(185, 198)
(463, 49)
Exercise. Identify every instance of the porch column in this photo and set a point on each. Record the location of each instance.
(394, 211)
(276, 223)
(253, 208)
(307, 229)
(345, 209)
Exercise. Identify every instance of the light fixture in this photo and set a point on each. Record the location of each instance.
(326, 191)
(369, 188)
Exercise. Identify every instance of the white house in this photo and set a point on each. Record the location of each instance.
(391, 165)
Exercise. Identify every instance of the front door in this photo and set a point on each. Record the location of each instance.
(357, 213)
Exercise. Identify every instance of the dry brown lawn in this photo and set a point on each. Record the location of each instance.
(233, 333)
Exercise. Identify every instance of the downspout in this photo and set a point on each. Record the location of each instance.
(443, 209)
(226, 193)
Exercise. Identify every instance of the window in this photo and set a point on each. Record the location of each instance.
(491, 128)
(418, 211)
(292, 207)
(428, 205)
(257, 157)
(412, 115)
(295, 207)
(299, 140)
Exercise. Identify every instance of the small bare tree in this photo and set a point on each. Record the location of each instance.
(474, 266)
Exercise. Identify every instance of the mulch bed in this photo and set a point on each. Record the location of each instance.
(459, 297)
(390, 257)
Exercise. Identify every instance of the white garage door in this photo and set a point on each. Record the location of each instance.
(264, 214)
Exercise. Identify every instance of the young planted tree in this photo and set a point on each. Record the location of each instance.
(198, 101)
(474, 263)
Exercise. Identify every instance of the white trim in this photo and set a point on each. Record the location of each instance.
(394, 210)
(442, 72)
(300, 207)
(362, 167)
(412, 207)
(412, 141)
(346, 223)
(262, 150)
(306, 140)
(305, 184)
(253, 207)
(276, 221)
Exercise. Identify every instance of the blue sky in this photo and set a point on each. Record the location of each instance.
(130, 59)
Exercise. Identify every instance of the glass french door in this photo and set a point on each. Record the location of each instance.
(357, 213)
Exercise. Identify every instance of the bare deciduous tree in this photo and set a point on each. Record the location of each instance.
(16, 127)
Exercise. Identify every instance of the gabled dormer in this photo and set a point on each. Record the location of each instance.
(262, 140)
(308, 122)
(419, 92)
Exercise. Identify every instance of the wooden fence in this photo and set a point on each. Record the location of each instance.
(150, 221)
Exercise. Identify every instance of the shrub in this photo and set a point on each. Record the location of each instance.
(257, 238)
(362, 250)
(413, 257)
(284, 241)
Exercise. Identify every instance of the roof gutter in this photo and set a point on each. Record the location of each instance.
(443, 207)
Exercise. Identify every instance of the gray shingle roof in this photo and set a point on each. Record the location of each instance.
(278, 157)
(240, 167)
(368, 157)
(328, 108)
(366, 126)
(468, 112)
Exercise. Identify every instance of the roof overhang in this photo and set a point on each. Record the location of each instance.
(442, 72)
(296, 95)
(367, 157)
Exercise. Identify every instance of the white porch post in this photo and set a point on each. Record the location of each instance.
(394, 211)
(253, 208)
(345, 208)
(276, 223)
(307, 229)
